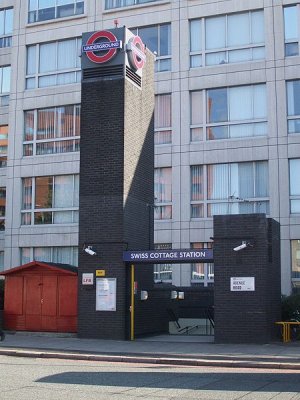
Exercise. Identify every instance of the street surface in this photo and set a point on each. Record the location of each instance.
(52, 379)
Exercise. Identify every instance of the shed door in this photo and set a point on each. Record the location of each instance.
(49, 303)
(33, 306)
(40, 303)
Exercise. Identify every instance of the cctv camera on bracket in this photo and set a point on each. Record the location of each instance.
(240, 247)
(90, 251)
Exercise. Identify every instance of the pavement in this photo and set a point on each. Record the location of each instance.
(161, 349)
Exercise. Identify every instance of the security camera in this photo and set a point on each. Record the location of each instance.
(90, 251)
(240, 247)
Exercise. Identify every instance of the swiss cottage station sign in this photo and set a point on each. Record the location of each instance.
(163, 256)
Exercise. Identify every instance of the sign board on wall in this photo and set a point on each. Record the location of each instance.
(163, 256)
(100, 272)
(87, 279)
(242, 284)
(118, 46)
(106, 294)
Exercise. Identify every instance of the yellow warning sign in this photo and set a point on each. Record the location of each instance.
(100, 272)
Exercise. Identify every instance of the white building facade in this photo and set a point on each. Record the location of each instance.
(227, 122)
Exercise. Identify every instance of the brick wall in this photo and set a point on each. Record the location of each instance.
(116, 184)
(249, 316)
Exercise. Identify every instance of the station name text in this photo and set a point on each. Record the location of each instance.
(169, 255)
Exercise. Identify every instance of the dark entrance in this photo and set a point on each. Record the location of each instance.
(159, 308)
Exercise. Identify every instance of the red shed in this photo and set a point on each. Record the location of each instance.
(41, 296)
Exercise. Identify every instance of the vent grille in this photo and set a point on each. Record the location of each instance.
(102, 72)
(136, 79)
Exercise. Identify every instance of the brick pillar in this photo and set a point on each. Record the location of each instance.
(116, 184)
(246, 316)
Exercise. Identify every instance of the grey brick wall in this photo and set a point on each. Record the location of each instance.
(249, 316)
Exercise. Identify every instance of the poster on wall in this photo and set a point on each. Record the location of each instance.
(106, 294)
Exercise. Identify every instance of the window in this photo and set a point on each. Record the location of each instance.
(52, 130)
(6, 27)
(240, 38)
(291, 30)
(236, 188)
(3, 145)
(124, 3)
(2, 208)
(50, 200)
(197, 191)
(162, 272)
(62, 255)
(229, 113)
(4, 85)
(163, 193)
(295, 259)
(43, 10)
(293, 105)
(162, 119)
(158, 39)
(202, 273)
(295, 186)
(54, 63)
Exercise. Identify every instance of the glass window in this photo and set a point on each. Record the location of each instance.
(202, 273)
(295, 244)
(293, 106)
(55, 63)
(51, 130)
(3, 145)
(43, 10)
(162, 119)
(240, 38)
(61, 255)
(295, 185)
(50, 200)
(158, 39)
(2, 207)
(236, 188)
(125, 3)
(6, 27)
(163, 193)
(162, 272)
(4, 85)
(291, 30)
(197, 191)
(229, 113)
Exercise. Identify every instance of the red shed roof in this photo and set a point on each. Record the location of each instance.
(65, 268)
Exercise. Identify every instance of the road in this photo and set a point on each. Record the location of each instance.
(51, 379)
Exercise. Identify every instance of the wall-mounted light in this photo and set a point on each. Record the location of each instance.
(174, 294)
(144, 295)
(180, 295)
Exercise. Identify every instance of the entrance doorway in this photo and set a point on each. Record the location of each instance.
(166, 309)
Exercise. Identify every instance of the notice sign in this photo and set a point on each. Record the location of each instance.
(242, 284)
(88, 279)
(106, 294)
(100, 272)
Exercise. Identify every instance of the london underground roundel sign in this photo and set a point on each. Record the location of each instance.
(101, 42)
(136, 53)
